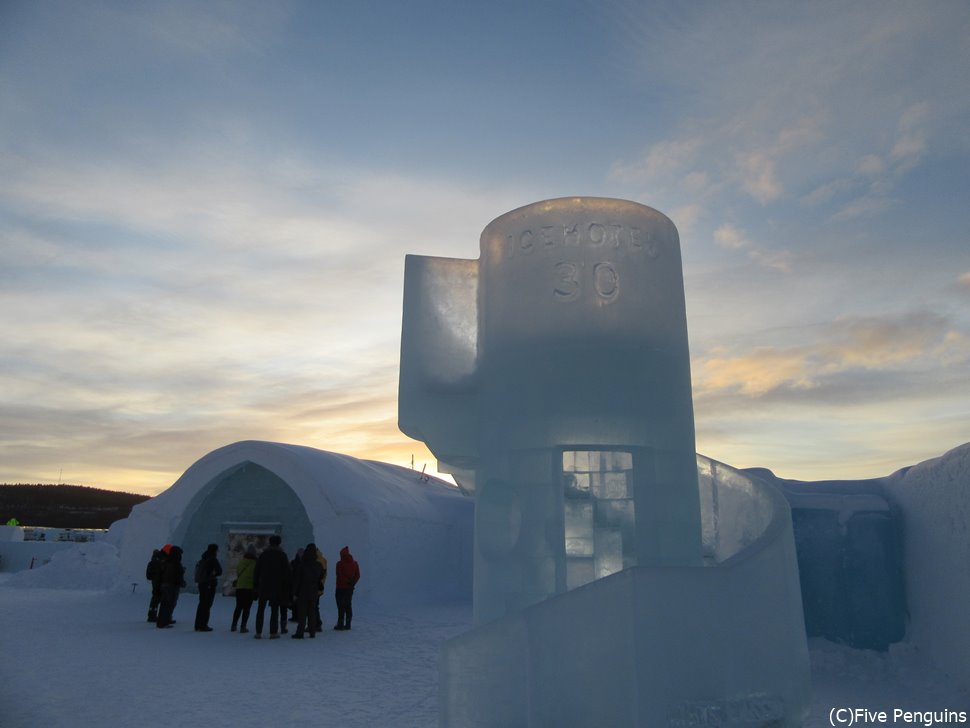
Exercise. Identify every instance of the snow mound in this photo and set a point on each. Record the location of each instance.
(92, 565)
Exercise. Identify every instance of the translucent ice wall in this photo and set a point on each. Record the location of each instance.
(552, 377)
(618, 580)
(719, 645)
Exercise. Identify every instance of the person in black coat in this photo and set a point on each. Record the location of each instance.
(207, 573)
(272, 584)
(153, 572)
(307, 583)
(173, 579)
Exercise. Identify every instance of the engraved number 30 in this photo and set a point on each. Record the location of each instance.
(569, 284)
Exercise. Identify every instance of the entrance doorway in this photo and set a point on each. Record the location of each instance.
(238, 538)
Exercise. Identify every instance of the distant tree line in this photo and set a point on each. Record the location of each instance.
(65, 506)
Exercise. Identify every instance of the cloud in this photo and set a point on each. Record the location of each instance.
(869, 358)
(686, 217)
(865, 206)
(910, 142)
(730, 237)
(188, 241)
(194, 304)
(824, 193)
(758, 178)
(213, 29)
(761, 370)
(733, 238)
(139, 435)
(698, 163)
(871, 165)
(832, 109)
(859, 440)
(191, 250)
(862, 397)
(878, 176)
(664, 159)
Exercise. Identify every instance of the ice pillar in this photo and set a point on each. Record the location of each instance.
(552, 376)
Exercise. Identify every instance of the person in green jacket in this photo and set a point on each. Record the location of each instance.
(245, 593)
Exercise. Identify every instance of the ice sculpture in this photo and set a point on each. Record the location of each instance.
(552, 378)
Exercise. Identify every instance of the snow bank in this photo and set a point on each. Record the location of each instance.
(935, 500)
(11, 533)
(91, 565)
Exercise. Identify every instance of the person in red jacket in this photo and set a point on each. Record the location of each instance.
(348, 574)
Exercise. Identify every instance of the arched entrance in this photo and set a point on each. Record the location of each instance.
(243, 504)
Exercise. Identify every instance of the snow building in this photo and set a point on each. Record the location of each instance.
(411, 535)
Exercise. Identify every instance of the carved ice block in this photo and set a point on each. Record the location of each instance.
(552, 376)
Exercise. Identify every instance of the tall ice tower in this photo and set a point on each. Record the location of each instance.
(552, 378)
(620, 578)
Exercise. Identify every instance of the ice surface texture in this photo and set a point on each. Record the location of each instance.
(720, 645)
(552, 377)
(935, 500)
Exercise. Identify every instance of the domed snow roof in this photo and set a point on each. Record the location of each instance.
(389, 516)
(321, 479)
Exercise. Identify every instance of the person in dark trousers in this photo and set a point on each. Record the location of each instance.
(307, 581)
(153, 572)
(245, 571)
(291, 602)
(348, 574)
(316, 607)
(207, 573)
(173, 579)
(272, 583)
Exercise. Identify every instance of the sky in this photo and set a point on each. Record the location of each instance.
(205, 208)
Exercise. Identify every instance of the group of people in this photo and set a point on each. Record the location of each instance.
(167, 575)
(268, 578)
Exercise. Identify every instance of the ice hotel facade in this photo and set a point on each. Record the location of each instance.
(619, 578)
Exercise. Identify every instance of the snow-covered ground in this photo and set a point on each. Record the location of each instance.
(77, 652)
(901, 678)
(77, 658)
